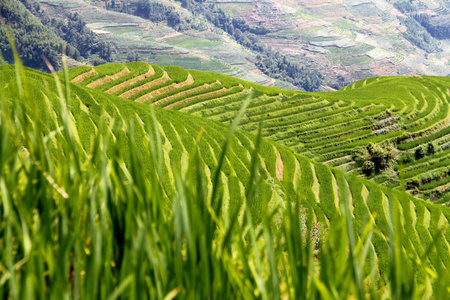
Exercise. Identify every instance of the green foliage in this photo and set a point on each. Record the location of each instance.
(368, 167)
(406, 158)
(38, 35)
(419, 36)
(419, 153)
(133, 56)
(405, 6)
(375, 158)
(430, 149)
(34, 40)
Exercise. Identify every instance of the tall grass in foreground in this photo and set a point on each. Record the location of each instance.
(89, 226)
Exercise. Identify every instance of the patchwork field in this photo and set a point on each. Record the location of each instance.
(352, 39)
(158, 43)
(409, 112)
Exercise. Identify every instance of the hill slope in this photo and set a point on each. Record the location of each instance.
(321, 189)
(409, 112)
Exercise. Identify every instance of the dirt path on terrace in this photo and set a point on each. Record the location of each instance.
(270, 83)
(188, 81)
(295, 179)
(165, 77)
(106, 79)
(279, 165)
(122, 85)
(168, 36)
(83, 76)
(443, 187)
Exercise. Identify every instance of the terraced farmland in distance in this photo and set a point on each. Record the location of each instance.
(322, 189)
(327, 127)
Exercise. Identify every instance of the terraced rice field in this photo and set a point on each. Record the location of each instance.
(409, 112)
(322, 189)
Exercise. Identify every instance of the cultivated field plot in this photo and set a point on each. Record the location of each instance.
(322, 188)
(410, 112)
(158, 43)
(325, 31)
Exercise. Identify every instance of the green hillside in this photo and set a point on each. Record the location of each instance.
(285, 175)
(409, 112)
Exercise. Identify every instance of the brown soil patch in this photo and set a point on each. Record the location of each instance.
(316, 186)
(194, 90)
(257, 71)
(188, 81)
(146, 86)
(296, 171)
(122, 85)
(168, 36)
(270, 83)
(106, 79)
(279, 165)
(83, 76)
(443, 187)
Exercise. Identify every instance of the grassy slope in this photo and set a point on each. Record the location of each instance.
(321, 189)
(328, 126)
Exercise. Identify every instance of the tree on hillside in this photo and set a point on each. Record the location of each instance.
(375, 158)
(430, 149)
(133, 56)
(33, 40)
(419, 153)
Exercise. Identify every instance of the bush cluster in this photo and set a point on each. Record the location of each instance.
(375, 158)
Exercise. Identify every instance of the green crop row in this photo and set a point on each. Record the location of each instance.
(232, 95)
(417, 95)
(326, 192)
(424, 140)
(427, 160)
(341, 139)
(229, 81)
(225, 112)
(435, 184)
(202, 99)
(364, 142)
(295, 112)
(323, 127)
(177, 74)
(426, 168)
(158, 74)
(281, 107)
(314, 119)
(336, 132)
(432, 105)
(187, 88)
(103, 71)
(433, 120)
(136, 68)
(209, 110)
(142, 93)
(74, 72)
(213, 88)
